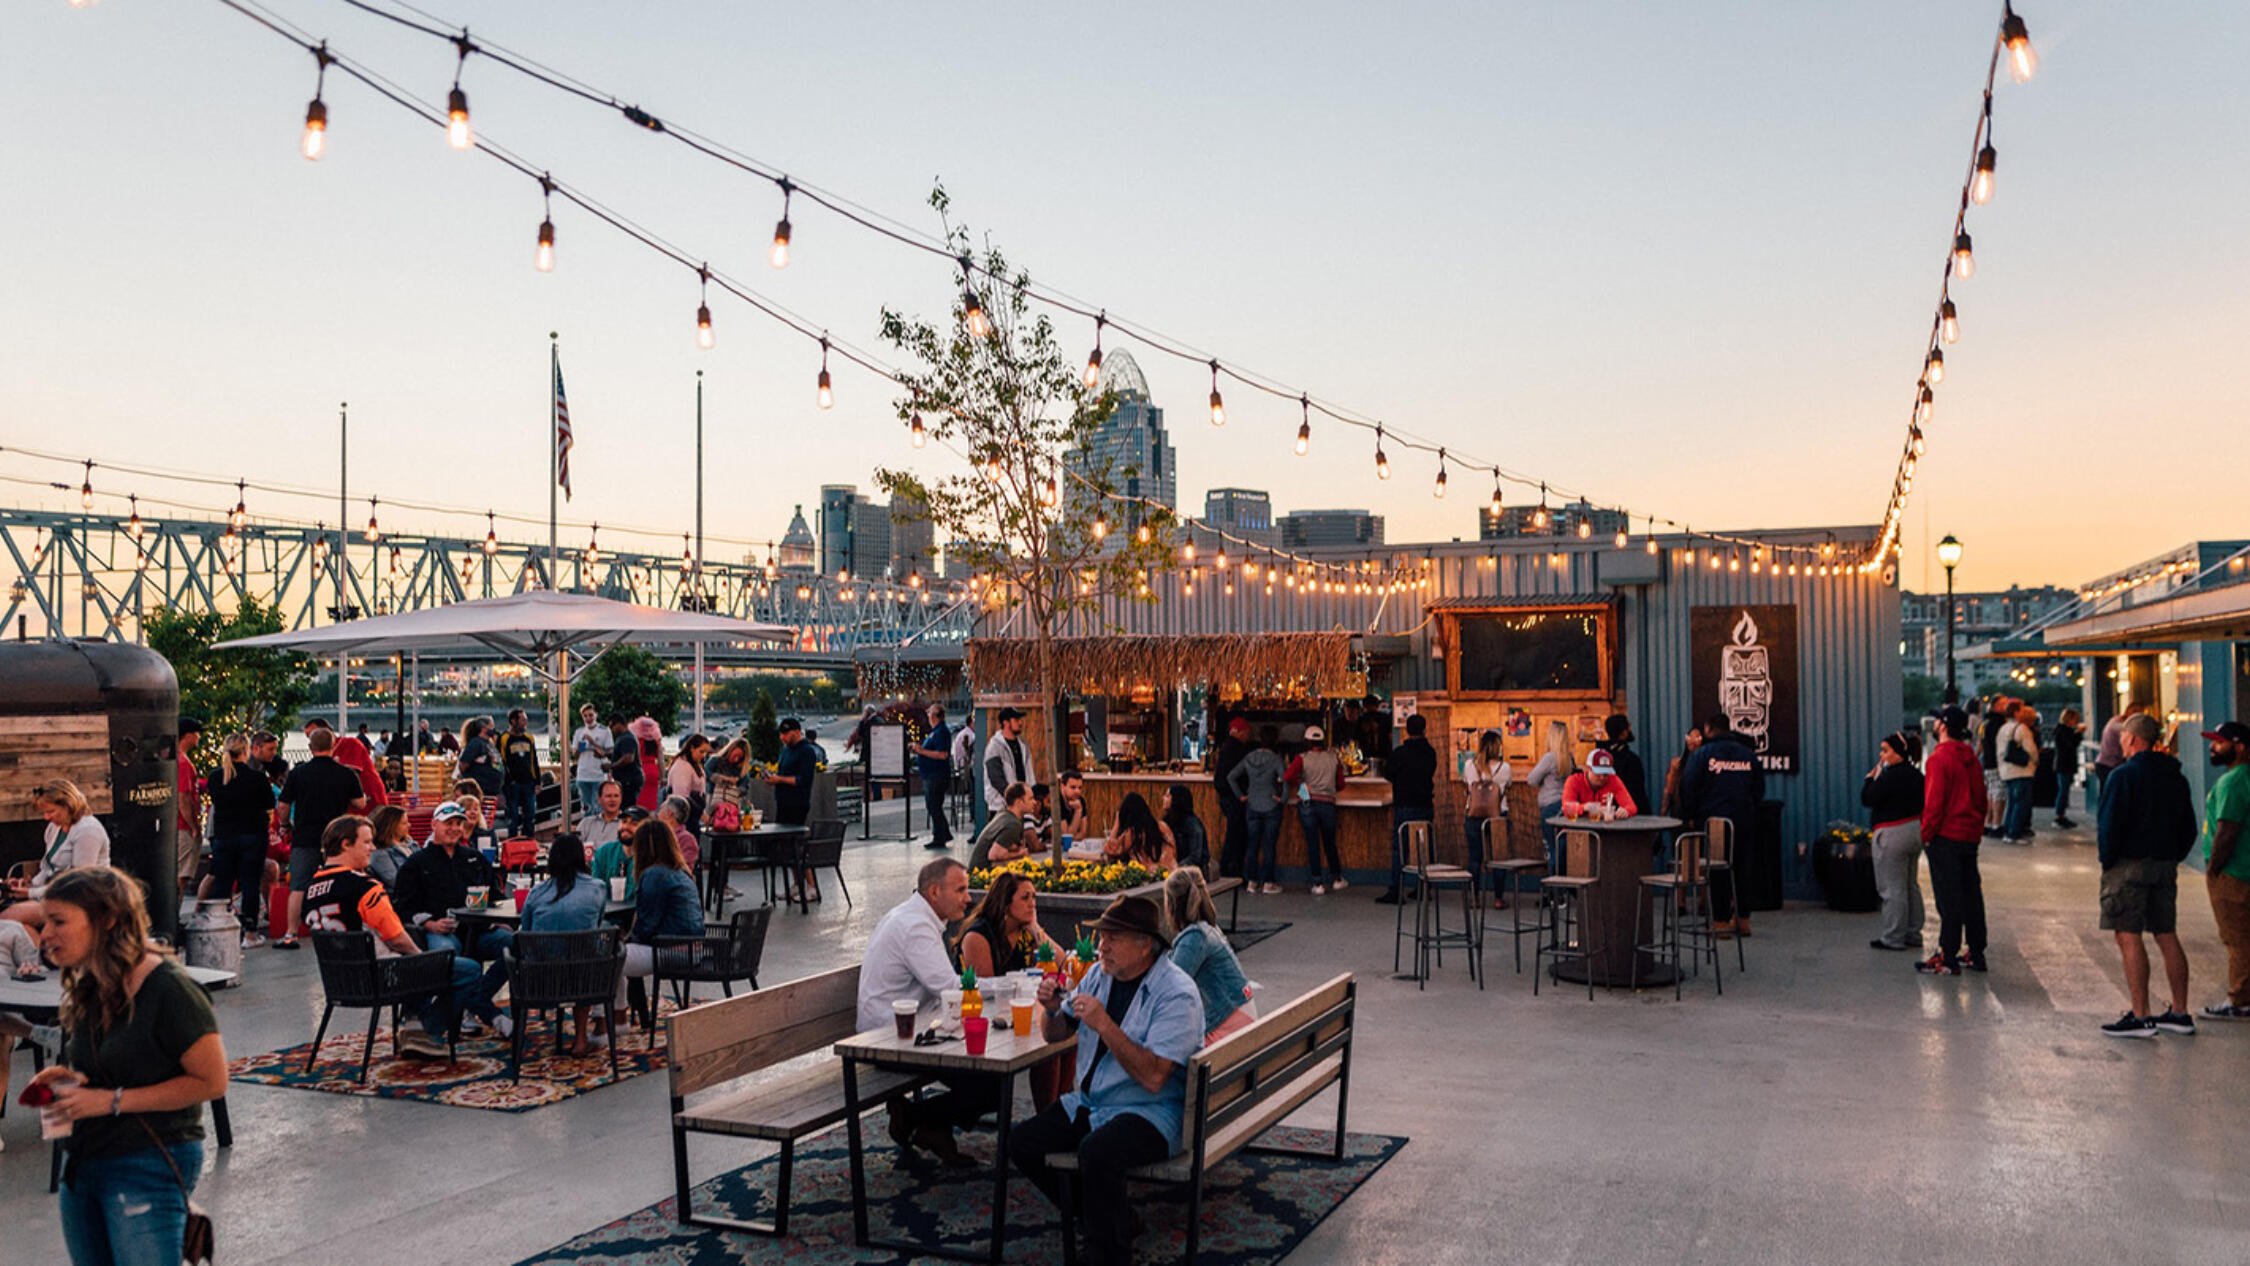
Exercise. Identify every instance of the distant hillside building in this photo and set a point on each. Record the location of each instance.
(1308, 528)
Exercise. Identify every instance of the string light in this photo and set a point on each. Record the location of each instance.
(491, 536)
(919, 433)
(703, 336)
(1438, 489)
(1585, 527)
(1934, 372)
(1980, 185)
(543, 258)
(1093, 375)
(314, 143)
(1382, 463)
(1496, 497)
(1924, 402)
(1051, 495)
(1964, 257)
(374, 532)
(86, 489)
(779, 256)
(133, 526)
(241, 512)
(972, 308)
(827, 394)
(1539, 516)
(1304, 428)
(1949, 323)
(458, 133)
(1218, 405)
(2023, 59)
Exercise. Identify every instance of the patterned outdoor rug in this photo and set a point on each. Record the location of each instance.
(479, 1080)
(1256, 1208)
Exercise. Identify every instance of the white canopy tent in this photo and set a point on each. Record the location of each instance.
(556, 635)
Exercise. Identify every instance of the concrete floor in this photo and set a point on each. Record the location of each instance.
(1832, 1107)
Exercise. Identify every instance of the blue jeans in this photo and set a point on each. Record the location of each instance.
(933, 799)
(1318, 820)
(589, 792)
(522, 803)
(2063, 779)
(1552, 835)
(127, 1210)
(1401, 814)
(2016, 823)
(474, 988)
(1265, 832)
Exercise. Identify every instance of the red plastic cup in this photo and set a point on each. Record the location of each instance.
(973, 1031)
(522, 895)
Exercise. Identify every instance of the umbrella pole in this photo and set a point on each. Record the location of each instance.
(698, 687)
(414, 736)
(562, 746)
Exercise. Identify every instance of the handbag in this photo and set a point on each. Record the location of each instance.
(2015, 755)
(198, 1238)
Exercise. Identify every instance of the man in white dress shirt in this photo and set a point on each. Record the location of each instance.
(906, 959)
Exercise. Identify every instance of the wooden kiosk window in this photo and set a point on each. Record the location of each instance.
(1531, 652)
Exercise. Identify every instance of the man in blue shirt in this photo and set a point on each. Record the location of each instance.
(933, 760)
(793, 774)
(1138, 1018)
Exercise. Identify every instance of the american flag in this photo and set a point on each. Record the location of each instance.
(562, 434)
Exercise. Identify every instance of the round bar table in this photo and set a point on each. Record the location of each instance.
(1628, 850)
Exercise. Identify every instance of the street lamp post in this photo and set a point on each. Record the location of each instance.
(1949, 553)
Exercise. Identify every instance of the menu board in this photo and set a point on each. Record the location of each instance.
(886, 751)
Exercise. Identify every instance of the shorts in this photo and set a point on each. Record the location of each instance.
(2141, 896)
(303, 862)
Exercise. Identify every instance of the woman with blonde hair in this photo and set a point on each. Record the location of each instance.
(1200, 949)
(1547, 778)
(74, 837)
(142, 1058)
(242, 800)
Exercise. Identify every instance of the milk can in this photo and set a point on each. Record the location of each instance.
(211, 936)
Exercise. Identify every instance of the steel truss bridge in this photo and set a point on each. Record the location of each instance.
(97, 575)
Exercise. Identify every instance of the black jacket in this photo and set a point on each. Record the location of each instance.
(430, 883)
(2147, 812)
(1893, 794)
(1230, 754)
(1723, 780)
(1412, 770)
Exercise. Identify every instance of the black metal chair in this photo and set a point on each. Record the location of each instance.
(351, 975)
(824, 850)
(714, 958)
(551, 971)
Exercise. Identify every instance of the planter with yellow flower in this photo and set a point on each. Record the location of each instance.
(1075, 896)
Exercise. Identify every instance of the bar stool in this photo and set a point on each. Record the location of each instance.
(1570, 907)
(1432, 878)
(1722, 870)
(1505, 874)
(1677, 906)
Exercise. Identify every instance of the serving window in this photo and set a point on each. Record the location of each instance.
(1530, 652)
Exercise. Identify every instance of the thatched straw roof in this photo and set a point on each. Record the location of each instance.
(1253, 664)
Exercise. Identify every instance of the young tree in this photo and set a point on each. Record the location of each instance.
(630, 682)
(765, 729)
(1039, 510)
(230, 690)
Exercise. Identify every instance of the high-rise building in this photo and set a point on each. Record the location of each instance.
(854, 534)
(913, 539)
(1244, 513)
(1978, 617)
(798, 553)
(1130, 450)
(1304, 528)
(1562, 520)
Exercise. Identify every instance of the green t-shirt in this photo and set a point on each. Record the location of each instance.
(169, 1015)
(2229, 801)
(612, 860)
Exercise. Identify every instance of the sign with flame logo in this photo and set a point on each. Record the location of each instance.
(1745, 666)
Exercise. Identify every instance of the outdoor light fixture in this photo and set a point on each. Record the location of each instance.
(2023, 59)
(1496, 498)
(86, 489)
(241, 512)
(1382, 463)
(315, 140)
(1585, 528)
(544, 258)
(1051, 495)
(1438, 489)
(1923, 405)
(1949, 322)
(1218, 406)
(1964, 259)
(920, 433)
(703, 336)
(1980, 185)
(1539, 516)
(133, 525)
(374, 532)
(1093, 376)
(779, 257)
(1304, 428)
(827, 393)
(491, 536)
(458, 133)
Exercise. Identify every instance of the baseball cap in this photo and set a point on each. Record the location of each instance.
(2231, 731)
(634, 813)
(1600, 762)
(791, 723)
(1955, 721)
(1314, 734)
(1009, 714)
(448, 812)
(1238, 727)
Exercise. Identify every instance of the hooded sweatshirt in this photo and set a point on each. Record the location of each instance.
(1953, 798)
(2147, 812)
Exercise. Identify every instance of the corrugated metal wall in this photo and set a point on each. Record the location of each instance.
(1849, 687)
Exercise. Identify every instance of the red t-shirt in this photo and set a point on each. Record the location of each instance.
(191, 798)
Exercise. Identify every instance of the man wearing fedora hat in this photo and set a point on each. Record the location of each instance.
(1138, 1018)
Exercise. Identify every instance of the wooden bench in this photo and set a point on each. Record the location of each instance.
(1243, 1085)
(722, 1042)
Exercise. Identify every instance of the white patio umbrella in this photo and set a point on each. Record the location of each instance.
(556, 635)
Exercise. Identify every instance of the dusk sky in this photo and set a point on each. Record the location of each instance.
(1680, 257)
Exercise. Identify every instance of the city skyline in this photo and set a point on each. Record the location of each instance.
(1593, 308)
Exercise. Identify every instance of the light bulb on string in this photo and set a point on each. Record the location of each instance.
(374, 532)
(1980, 184)
(973, 315)
(1050, 496)
(1382, 463)
(920, 433)
(1093, 375)
(314, 142)
(1304, 427)
(1438, 489)
(1964, 256)
(1915, 441)
(1949, 323)
(1585, 527)
(86, 489)
(1934, 372)
(827, 393)
(543, 258)
(133, 525)
(1539, 517)
(1923, 404)
(491, 535)
(241, 512)
(1218, 405)
(703, 336)
(779, 257)
(458, 133)
(2023, 59)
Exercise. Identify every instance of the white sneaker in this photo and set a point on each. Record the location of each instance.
(1273, 889)
(1320, 890)
(504, 1025)
(1339, 884)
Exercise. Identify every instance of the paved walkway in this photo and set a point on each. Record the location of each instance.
(1832, 1107)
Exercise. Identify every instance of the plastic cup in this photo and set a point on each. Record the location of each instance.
(617, 888)
(952, 999)
(1020, 1013)
(973, 1031)
(903, 1013)
(479, 896)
